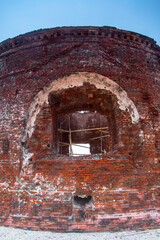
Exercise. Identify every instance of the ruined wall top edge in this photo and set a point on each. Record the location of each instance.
(82, 33)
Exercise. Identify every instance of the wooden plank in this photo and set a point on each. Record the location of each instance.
(98, 137)
(70, 141)
(81, 130)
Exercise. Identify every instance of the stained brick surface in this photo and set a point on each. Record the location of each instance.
(38, 185)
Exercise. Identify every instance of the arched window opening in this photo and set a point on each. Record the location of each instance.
(83, 118)
(85, 94)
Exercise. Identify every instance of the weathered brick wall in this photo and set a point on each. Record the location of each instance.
(117, 73)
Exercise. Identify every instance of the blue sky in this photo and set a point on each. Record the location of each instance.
(21, 16)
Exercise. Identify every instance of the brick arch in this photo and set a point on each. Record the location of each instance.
(76, 80)
(69, 82)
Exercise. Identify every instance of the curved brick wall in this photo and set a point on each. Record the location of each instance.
(47, 74)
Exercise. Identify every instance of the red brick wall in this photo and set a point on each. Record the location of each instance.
(37, 185)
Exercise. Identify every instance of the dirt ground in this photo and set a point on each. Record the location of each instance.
(19, 234)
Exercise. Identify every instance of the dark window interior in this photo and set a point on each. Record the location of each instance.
(83, 115)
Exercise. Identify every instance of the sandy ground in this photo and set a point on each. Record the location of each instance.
(19, 234)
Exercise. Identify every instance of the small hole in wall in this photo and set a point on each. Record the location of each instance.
(45, 37)
(23, 144)
(82, 200)
(48, 145)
